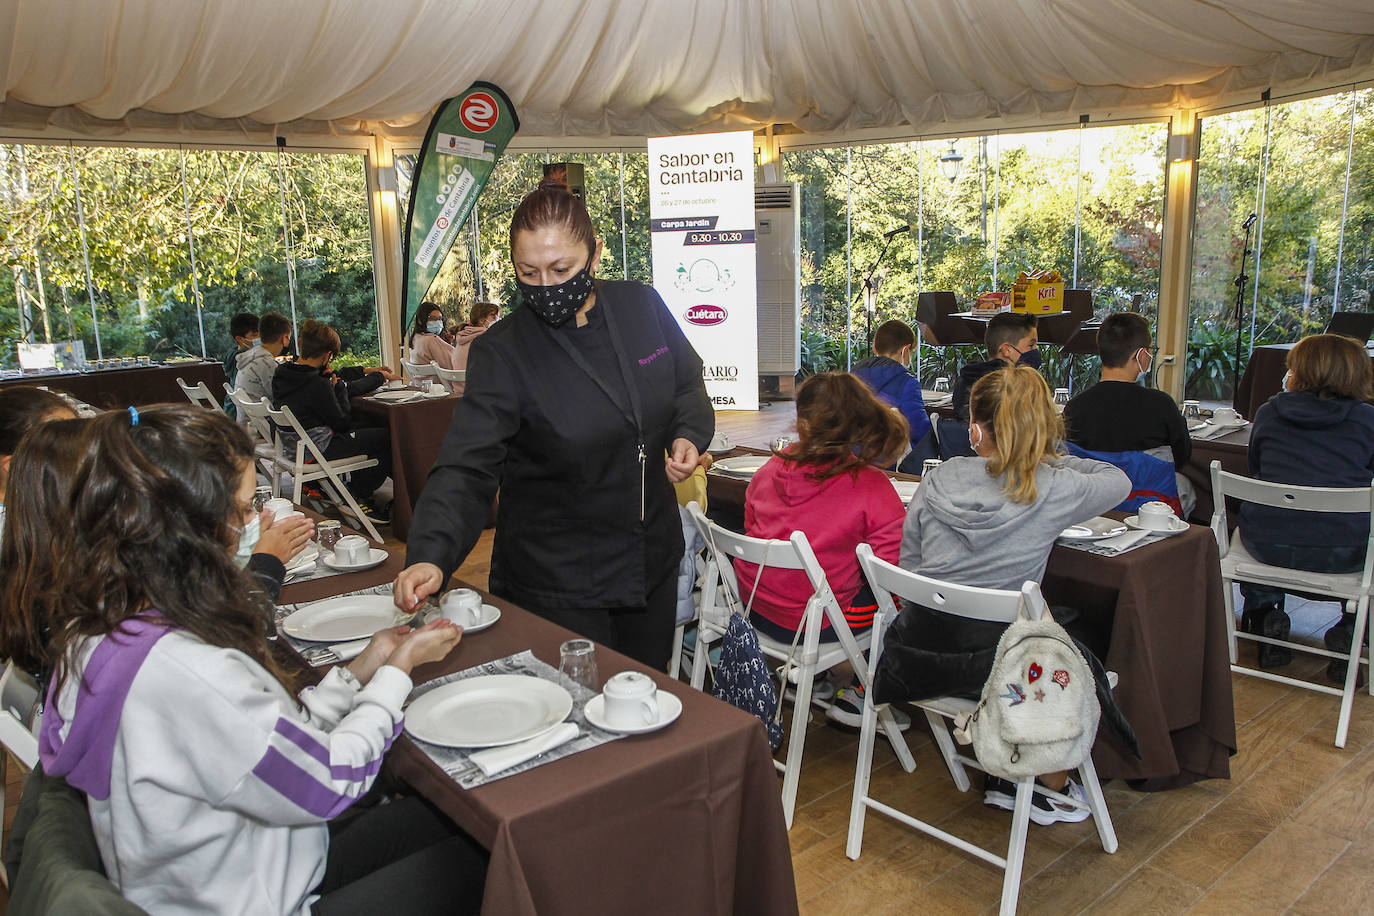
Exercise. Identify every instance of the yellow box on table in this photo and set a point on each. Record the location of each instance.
(1040, 292)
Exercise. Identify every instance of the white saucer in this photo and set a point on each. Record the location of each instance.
(436, 394)
(669, 708)
(490, 614)
(1180, 526)
(378, 557)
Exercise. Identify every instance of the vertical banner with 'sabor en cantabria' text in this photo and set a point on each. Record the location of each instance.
(701, 215)
(466, 136)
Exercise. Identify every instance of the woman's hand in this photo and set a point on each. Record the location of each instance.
(386, 372)
(415, 584)
(431, 643)
(682, 460)
(283, 539)
(379, 649)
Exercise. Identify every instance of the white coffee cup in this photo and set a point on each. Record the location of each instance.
(352, 550)
(396, 384)
(719, 442)
(1156, 516)
(463, 606)
(279, 506)
(1225, 416)
(630, 700)
(437, 388)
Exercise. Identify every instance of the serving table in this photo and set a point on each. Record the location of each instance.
(417, 429)
(687, 819)
(133, 387)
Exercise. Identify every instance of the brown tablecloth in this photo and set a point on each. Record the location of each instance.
(1166, 638)
(1165, 635)
(116, 388)
(417, 431)
(690, 816)
(1263, 376)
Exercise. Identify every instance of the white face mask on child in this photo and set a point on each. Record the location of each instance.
(248, 539)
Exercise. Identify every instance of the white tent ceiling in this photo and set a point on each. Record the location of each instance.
(635, 68)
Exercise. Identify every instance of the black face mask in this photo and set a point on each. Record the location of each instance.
(556, 304)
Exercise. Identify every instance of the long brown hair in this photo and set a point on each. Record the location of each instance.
(1332, 366)
(1024, 426)
(154, 515)
(844, 427)
(552, 204)
(34, 552)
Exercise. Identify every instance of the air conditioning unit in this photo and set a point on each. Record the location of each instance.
(777, 239)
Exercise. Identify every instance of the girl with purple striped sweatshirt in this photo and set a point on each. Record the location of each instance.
(214, 784)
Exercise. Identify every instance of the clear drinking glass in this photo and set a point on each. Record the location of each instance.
(942, 385)
(327, 533)
(1061, 398)
(929, 465)
(1192, 411)
(260, 497)
(577, 659)
(781, 443)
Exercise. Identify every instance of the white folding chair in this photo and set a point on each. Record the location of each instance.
(308, 462)
(450, 377)
(18, 705)
(811, 657)
(198, 394)
(887, 582)
(260, 430)
(1237, 565)
(415, 371)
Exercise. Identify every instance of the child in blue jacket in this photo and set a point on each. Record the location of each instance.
(886, 374)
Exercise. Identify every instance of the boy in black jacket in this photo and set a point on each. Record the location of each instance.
(318, 396)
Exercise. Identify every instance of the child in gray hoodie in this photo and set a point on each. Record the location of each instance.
(990, 521)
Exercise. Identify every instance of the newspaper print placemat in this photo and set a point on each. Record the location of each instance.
(454, 761)
(1106, 548)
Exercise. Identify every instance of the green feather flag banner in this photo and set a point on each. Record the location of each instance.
(465, 139)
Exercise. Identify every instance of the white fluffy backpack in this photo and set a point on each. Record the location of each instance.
(1039, 710)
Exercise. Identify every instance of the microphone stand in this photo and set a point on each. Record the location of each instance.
(1240, 282)
(868, 292)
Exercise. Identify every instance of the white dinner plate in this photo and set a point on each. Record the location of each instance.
(488, 711)
(906, 489)
(490, 614)
(396, 394)
(1179, 526)
(344, 618)
(376, 557)
(669, 708)
(1094, 529)
(743, 465)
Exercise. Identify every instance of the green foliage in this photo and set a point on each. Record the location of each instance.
(136, 220)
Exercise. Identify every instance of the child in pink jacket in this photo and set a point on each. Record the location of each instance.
(825, 485)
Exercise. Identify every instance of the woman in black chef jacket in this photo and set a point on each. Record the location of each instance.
(571, 404)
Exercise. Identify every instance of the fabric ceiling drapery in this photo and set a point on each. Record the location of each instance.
(635, 68)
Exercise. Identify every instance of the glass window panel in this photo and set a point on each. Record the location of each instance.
(1357, 262)
(1300, 198)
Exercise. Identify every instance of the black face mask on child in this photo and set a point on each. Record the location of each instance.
(556, 304)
